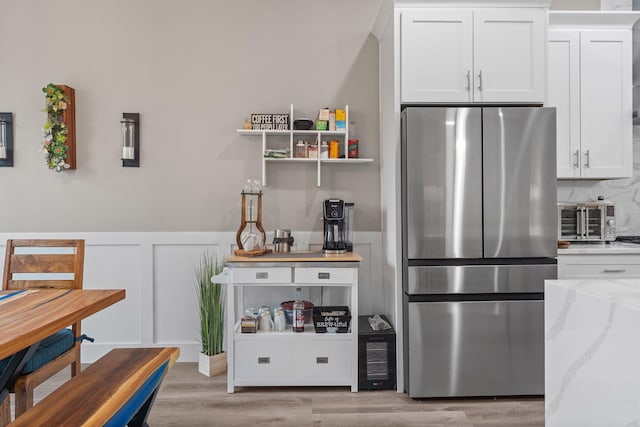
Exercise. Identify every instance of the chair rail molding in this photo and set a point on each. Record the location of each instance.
(156, 270)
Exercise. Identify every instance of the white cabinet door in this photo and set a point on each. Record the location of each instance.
(509, 55)
(473, 55)
(436, 55)
(563, 88)
(606, 106)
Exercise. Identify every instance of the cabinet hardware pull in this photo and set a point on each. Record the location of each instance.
(468, 80)
(324, 275)
(264, 360)
(611, 270)
(262, 275)
(322, 360)
(586, 159)
(480, 80)
(576, 161)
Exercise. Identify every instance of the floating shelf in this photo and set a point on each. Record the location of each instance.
(293, 134)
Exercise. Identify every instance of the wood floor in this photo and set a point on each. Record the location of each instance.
(187, 398)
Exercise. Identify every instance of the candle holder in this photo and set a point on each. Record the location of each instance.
(130, 139)
(6, 139)
(251, 237)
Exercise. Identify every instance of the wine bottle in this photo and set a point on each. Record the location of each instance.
(298, 312)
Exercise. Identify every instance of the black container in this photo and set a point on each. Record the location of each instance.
(331, 324)
(376, 357)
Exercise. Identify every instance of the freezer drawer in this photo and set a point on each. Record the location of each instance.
(475, 348)
(479, 279)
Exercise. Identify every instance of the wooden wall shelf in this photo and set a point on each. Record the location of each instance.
(69, 117)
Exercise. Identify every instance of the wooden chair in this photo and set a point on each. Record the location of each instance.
(43, 261)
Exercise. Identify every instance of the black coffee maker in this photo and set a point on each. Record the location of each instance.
(335, 241)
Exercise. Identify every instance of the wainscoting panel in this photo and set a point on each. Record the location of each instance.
(156, 270)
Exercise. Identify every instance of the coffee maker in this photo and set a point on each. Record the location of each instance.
(335, 235)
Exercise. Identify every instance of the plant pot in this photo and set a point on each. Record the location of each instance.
(212, 365)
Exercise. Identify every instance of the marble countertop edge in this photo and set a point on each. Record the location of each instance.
(623, 292)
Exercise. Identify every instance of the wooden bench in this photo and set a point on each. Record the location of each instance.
(116, 390)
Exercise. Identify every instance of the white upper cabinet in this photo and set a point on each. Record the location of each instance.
(436, 55)
(563, 92)
(589, 81)
(473, 55)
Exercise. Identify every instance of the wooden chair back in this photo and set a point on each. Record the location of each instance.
(47, 264)
(41, 264)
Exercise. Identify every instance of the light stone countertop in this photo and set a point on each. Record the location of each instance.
(592, 352)
(578, 248)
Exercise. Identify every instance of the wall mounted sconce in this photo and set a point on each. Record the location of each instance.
(6, 139)
(130, 140)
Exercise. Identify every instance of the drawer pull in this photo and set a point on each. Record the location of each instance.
(264, 360)
(610, 270)
(322, 360)
(324, 276)
(262, 275)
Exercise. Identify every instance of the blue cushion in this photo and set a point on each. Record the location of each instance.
(50, 348)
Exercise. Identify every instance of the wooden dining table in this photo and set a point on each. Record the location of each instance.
(29, 316)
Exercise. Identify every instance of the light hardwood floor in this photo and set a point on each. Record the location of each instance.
(188, 398)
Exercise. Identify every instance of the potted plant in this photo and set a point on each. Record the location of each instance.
(212, 361)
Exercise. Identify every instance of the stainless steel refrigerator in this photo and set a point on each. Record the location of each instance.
(479, 229)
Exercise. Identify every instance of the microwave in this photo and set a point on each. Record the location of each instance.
(586, 221)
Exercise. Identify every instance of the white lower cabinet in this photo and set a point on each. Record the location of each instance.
(326, 361)
(618, 266)
(286, 358)
(264, 362)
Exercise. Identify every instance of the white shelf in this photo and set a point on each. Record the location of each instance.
(288, 334)
(350, 160)
(296, 159)
(261, 132)
(294, 134)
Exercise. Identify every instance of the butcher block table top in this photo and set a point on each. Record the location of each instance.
(296, 257)
(29, 316)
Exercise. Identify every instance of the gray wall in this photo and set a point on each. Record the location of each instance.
(194, 70)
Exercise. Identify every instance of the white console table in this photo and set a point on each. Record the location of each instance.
(288, 358)
(592, 352)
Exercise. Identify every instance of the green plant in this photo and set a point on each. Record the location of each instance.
(55, 130)
(211, 303)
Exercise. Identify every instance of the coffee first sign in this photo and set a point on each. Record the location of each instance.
(270, 121)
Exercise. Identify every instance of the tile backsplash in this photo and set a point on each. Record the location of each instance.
(625, 193)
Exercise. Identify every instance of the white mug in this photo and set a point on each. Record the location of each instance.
(265, 323)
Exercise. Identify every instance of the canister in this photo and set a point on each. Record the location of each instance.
(334, 149)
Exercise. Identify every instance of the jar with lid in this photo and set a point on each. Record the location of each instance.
(313, 151)
(334, 149)
(324, 150)
(301, 150)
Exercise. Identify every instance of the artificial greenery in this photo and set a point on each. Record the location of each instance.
(211, 302)
(55, 130)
